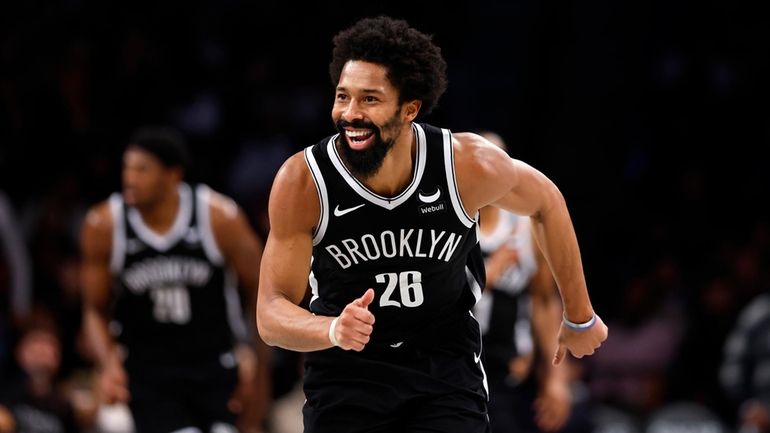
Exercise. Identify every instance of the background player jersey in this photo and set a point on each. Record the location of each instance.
(418, 250)
(175, 301)
(505, 310)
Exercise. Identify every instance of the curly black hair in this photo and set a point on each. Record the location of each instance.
(414, 63)
(166, 143)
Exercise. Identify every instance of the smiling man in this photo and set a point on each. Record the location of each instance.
(382, 218)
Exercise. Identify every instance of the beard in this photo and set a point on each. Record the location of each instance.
(365, 163)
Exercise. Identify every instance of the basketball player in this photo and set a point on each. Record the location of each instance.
(382, 217)
(519, 316)
(162, 310)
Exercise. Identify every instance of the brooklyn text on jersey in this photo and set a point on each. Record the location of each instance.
(420, 243)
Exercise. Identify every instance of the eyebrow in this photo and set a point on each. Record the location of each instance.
(343, 89)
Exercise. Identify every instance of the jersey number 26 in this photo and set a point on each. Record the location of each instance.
(409, 284)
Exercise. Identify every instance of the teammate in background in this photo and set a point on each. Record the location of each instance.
(519, 316)
(162, 263)
(746, 355)
(382, 217)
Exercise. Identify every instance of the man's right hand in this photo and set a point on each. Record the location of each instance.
(113, 383)
(354, 325)
(580, 343)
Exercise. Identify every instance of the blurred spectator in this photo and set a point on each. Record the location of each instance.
(685, 417)
(695, 373)
(34, 396)
(630, 372)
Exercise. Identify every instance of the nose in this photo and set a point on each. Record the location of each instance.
(352, 111)
(129, 176)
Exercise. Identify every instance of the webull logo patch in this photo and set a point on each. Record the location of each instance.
(432, 208)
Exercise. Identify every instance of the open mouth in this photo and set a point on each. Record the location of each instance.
(359, 138)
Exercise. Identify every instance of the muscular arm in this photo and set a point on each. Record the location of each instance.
(96, 245)
(546, 314)
(242, 249)
(486, 175)
(240, 245)
(294, 211)
(96, 279)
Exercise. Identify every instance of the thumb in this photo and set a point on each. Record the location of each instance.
(366, 299)
(561, 352)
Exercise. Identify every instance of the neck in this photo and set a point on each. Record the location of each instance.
(161, 215)
(395, 174)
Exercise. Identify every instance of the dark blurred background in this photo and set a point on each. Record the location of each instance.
(652, 117)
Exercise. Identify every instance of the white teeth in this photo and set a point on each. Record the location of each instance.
(357, 133)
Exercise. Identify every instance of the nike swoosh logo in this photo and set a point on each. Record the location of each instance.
(429, 198)
(397, 345)
(339, 212)
(476, 358)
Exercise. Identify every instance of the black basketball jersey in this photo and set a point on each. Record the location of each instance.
(175, 299)
(418, 250)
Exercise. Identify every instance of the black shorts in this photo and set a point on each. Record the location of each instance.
(166, 397)
(412, 388)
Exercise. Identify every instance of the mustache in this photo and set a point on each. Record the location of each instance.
(358, 124)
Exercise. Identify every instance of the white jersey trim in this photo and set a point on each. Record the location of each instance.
(473, 284)
(313, 284)
(323, 196)
(451, 180)
(118, 256)
(222, 427)
(165, 241)
(188, 430)
(484, 381)
(515, 231)
(364, 192)
(209, 242)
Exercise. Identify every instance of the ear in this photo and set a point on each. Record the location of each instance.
(411, 109)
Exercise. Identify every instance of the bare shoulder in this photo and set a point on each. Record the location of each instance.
(231, 228)
(469, 142)
(222, 208)
(294, 202)
(484, 172)
(96, 232)
(228, 221)
(295, 173)
(99, 218)
(477, 155)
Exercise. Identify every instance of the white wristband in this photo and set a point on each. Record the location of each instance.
(579, 327)
(332, 328)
